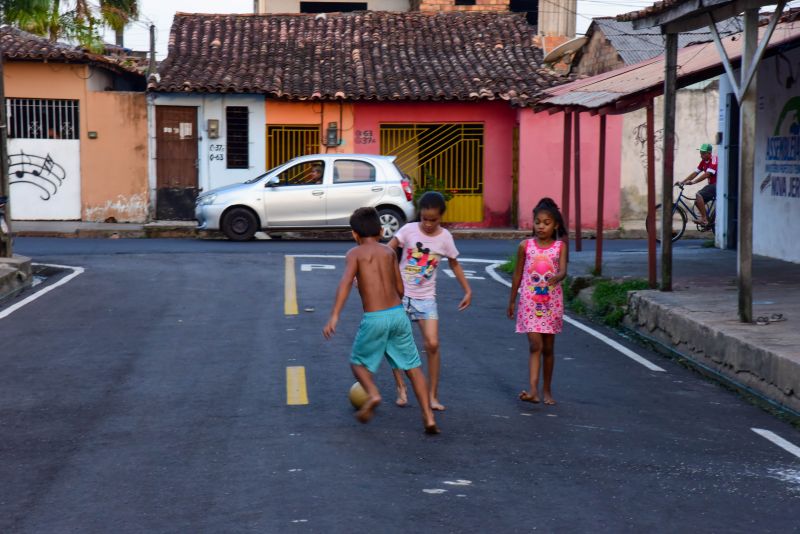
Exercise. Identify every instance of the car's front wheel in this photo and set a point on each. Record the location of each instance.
(240, 224)
(391, 221)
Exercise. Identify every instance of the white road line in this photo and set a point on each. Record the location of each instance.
(469, 260)
(315, 256)
(75, 272)
(491, 269)
(605, 339)
(777, 440)
(610, 342)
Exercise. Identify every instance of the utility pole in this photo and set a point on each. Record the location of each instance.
(5, 239)
(747, 151)
(668, 160)
(151, 68)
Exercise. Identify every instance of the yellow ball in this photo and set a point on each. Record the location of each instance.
(358, 396)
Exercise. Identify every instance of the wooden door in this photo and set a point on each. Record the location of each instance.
(176, 162)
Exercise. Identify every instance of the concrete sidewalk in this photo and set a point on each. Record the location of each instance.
(698, 320)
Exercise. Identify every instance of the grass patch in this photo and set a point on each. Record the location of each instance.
(509, 266)
(610, 298)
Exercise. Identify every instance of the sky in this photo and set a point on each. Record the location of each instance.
(160, 13)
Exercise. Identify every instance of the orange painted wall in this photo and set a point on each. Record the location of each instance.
(316, 113)
(114, 166)
(44, 80)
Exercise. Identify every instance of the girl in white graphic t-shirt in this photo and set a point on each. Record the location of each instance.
(424, 244)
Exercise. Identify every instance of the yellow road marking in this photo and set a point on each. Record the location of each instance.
(296, 385)
(289, 288)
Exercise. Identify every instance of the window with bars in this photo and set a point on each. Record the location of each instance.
(39, 118)
(237, 128)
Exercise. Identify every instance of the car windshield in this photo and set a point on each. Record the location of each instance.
(260, 176)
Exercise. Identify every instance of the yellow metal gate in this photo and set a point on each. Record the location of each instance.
(285, 142)
(442, 156)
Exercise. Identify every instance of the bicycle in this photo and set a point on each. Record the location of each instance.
(680, 208)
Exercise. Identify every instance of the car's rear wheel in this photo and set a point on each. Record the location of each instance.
(240, 224)
(391, 221)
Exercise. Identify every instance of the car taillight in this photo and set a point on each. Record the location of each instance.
(407, 190)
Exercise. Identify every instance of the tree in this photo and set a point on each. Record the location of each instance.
(78, 20)
(118, 14)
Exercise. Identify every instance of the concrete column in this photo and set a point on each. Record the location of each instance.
(668, 159)
(747, 155)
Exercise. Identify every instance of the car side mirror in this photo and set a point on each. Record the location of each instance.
(272, 182)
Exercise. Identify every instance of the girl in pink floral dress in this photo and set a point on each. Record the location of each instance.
(541, 266)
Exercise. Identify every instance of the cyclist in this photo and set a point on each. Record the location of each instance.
(706, 169)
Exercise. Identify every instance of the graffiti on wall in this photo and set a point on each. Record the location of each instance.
(782, 158)
(41, 172)
(639, 137)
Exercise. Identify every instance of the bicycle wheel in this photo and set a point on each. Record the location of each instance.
(678, 223)
(712, 216)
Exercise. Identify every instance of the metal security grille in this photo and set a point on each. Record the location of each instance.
(285, 142)
(38, 118)
(442, 156)
(238, 142)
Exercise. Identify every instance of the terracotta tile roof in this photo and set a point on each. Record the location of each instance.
(655, 9)
(24, 46)
(357, 56)
(661, 7)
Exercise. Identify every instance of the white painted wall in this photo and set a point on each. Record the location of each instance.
(776, 196)
(721, 234)
(212, 170)
(696, 123)
(44, 179)
(293, 6)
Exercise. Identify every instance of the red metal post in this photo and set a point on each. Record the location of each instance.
(566, 172)
(651, 197)
(577, 172)
(601, 187)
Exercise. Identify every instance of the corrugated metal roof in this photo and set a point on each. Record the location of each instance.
(622, 86)
(635, 46)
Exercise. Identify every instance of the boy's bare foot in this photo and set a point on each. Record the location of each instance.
(402, 397)
(367, 410)
(548, 399)
(529, 397)
(436, 405)
(432, 429)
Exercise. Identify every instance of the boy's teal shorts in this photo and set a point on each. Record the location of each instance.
(385, 333)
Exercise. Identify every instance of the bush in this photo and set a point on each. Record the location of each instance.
(610, 298)
(430, 183)
(509, 265)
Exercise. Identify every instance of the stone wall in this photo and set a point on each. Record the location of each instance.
(598, 56)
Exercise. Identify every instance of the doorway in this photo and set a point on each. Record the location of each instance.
(176, 162)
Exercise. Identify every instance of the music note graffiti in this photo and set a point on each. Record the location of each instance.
(41, 172)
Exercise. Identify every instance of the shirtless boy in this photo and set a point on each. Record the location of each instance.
(385, 329)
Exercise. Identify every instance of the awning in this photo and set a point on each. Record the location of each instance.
(630, 88)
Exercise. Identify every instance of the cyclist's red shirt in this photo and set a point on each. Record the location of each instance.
(710, 167)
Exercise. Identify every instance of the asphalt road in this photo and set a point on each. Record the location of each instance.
(149, 394)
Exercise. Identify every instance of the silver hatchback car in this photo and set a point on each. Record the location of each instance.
(313, 192)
